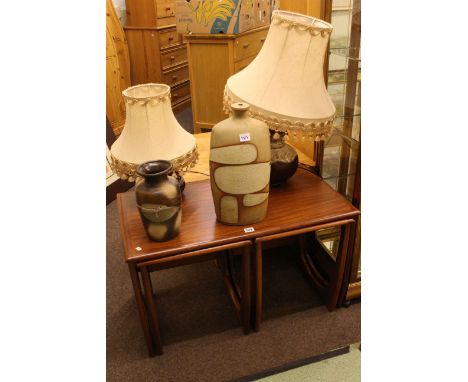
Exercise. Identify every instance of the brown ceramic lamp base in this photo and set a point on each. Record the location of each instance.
(284, 159)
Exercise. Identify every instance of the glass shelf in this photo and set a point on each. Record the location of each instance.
(352, 53)
(344, 71)
(339, 158)
(349, 126)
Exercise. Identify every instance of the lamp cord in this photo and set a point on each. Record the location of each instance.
(198, 172)
(306, 167)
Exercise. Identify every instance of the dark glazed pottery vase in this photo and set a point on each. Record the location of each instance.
(284, 159)
(158, 198)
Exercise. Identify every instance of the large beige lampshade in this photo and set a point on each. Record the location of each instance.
(151, 132)
(284, 84)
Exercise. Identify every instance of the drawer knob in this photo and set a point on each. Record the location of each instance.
(171, 38)
(246, 45)
(168, 8)
(172, 58)
(175, 95)
(262, 40)
(174, 77)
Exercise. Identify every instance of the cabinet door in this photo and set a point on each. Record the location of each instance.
(211, 65)
(145, 56)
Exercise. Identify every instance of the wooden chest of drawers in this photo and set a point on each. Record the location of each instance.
(150, 13)
(213, 59)
(157, 52)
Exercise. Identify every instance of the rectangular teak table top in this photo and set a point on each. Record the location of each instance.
(304, 201)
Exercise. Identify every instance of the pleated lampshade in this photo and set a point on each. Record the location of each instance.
(151, 132)
(284, 84)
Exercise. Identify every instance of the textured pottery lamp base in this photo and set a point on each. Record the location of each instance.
(240, 168)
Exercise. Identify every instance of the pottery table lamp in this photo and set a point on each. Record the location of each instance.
(151, 132)
(284, 85)
(240, 168)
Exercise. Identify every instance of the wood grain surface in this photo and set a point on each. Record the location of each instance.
(117, 69)
(306, 200)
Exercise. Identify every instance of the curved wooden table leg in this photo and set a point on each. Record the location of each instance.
(145, 276)
(141, 307)
(342, 260)
(347, 265)
(311, 270)
(240, 298)
(231, 272)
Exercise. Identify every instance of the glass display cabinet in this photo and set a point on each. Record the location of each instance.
(338, 159)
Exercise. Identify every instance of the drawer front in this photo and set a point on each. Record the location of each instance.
(173, 57)
(239, 65)
(176, 76)
(169, 38)
(249, 45)
(162, 22)
(165, 9)
(180, 93)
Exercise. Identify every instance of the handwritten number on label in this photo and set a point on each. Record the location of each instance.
(244, 137)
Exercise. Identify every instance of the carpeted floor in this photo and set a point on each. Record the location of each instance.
(202, 337)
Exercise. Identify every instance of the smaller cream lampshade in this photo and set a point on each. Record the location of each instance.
(151, 132)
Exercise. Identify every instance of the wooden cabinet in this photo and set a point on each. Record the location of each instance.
(117, 70)
(314, 8)
(213, 58)
(150, 13)
(174, 57)
(157, 52)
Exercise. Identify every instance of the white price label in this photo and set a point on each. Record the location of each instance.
(249, 229)
(244, 137)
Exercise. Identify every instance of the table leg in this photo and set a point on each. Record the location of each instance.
(230, 270)
(337, 279)
(348, 265)
(246, 293)
(258, 285)
(141, 307)
(152, 308)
